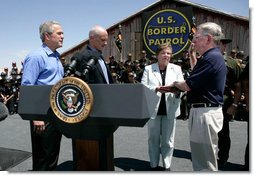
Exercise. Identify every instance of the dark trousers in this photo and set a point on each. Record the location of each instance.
(224, 142)
(45, 148)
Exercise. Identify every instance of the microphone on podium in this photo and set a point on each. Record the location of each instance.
(89, 65)
(71, 68)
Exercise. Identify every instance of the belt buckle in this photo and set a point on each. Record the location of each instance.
(196, 104)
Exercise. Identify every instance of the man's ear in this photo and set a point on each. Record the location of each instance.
(47, 36)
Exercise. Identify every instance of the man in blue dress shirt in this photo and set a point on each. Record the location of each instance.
(43, 67)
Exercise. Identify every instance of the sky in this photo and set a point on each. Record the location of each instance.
(20, 20)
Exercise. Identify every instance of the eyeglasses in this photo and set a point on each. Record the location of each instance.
(197, 37)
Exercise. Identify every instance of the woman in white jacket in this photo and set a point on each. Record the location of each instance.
(162, 124)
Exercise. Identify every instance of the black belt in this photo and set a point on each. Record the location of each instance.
(204, 105)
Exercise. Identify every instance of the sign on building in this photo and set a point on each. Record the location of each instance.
(168, 25)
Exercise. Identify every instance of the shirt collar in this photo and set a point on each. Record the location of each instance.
(49, 51)
(94, 49)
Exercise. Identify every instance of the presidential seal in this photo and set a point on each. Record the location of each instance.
(71, 100)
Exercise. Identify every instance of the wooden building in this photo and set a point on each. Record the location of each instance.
(235, 27)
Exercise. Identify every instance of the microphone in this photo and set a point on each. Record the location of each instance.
(3, 111)
(70, 69)
(89, 65)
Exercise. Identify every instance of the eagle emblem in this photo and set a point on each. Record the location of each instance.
(70, 100)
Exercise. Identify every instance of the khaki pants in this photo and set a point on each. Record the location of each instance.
(204, 125)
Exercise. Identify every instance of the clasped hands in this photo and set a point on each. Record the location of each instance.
(169, 88)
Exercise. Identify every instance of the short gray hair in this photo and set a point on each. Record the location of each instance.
(212, 29)
(47, 27)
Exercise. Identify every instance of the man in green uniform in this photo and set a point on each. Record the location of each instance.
(233, 73)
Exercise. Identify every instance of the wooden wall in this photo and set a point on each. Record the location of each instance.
(235, 27)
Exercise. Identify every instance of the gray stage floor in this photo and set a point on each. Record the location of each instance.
(130, 147)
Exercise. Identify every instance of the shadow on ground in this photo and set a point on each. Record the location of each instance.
(12, 157)
(65, 166)
(131, 164)
(232, 167)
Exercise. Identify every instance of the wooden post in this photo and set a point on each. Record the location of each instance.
(93, 155)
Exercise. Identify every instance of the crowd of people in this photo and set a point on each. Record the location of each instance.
(9, 87)
(131, 69)
(128, 71)
(197, 100)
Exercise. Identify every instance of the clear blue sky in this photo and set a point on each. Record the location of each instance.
(20, 20)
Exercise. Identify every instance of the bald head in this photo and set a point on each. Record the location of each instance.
(96, 31)
(98, 37)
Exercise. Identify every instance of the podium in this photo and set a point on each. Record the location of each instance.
(114, 105)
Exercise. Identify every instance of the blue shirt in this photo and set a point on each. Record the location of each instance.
(207, 80)
(42, 67)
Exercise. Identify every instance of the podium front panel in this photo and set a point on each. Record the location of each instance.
(114, 105)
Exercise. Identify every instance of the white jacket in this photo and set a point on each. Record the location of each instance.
(152, 79)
